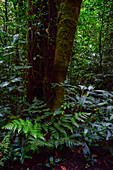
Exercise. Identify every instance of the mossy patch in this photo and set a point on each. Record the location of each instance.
(64, 43)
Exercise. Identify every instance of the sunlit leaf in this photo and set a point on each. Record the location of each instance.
(16, 79)
(4, 84)
(111, 118)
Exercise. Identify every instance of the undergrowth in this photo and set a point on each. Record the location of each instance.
(83, 120)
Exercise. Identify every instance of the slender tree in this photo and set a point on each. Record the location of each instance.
(6, 20)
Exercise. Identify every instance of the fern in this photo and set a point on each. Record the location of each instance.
(36, 143)
(74, 122)
(59, 128)
(81, 116)
(52, 129)
(68, 126)
(5, 149)
(26, 127)
(55, 135)
(45, 128)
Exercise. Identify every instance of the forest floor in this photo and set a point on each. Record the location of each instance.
(71, 160)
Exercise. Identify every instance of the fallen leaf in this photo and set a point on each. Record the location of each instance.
(63, 167)
(95, 156)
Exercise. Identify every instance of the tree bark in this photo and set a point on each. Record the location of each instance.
(52, 32)
(37, 50)
(64, 43)
(54, 47)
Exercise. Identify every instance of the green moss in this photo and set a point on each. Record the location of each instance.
(66, 31)
(64, 43)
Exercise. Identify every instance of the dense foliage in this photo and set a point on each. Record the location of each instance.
(86, 117)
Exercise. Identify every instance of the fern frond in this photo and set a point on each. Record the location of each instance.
(29, 124)
(84, 115)
(45, 128)
(48, 123)
(52, 129)
(33, 133)
(19, 128)
(9, 126)
(70, 142)
(25, 129)
(36, 143)
(77, 117)
(61, 129)
(57, 143)
(16, 124)
(45, 116)
(67, 125)
(23, 122)
(37, 126)
(65, 118)
(74, 122)
(55, 135)
(5, 149)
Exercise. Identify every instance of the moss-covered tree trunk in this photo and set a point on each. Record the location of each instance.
(64, 43)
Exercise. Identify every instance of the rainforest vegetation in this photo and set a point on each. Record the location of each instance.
(56, 84)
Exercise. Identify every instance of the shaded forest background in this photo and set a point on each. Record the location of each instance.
(43, 105)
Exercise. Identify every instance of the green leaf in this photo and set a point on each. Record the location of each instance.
(74, 122)
(25, 129)
(60, 128)
(16, 79)
(78, 118)
(29, 124)
(22, 121)
(4, 84)
(33, 133)
(16, 124)
(75, 136)
(19, 128)
(51, 159)
(109, 108)
(101, 104)
(111, 118)
(8, 126)
(55, 135)
(40, 135)
(45, 127)
(68, 126)
(37, 126)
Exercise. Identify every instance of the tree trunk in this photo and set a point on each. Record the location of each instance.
(54, 47)
(100, 38)
(6, 20)
(37, 50)
(18, 13)
(52, 32)
(64, 43)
